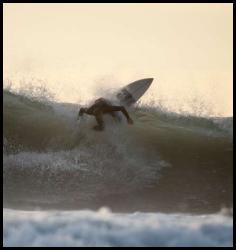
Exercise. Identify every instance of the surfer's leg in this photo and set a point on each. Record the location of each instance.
(100, 122)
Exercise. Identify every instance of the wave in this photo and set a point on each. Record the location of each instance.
(171, 161)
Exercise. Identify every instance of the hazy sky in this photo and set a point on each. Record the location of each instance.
(183, 46)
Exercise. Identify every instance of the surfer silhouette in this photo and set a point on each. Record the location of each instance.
(100, 107)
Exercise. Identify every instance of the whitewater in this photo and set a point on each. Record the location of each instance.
(165, 179)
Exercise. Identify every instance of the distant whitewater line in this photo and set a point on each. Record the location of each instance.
(103, 228)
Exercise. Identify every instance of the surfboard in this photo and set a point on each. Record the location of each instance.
(132, 92)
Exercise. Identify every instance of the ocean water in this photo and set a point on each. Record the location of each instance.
(165, 178)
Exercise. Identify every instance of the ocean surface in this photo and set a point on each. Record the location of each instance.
(166, 178)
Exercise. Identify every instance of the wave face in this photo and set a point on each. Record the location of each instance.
(165, 161)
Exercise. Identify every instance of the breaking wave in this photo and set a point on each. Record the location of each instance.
(165, 160)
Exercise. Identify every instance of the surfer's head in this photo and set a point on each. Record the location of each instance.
(82, 111)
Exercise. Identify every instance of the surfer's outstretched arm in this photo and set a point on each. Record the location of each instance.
(123, 110)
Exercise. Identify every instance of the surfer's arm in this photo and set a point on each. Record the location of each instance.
(124, 111)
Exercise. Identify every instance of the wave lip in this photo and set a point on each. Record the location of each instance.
(55, 125)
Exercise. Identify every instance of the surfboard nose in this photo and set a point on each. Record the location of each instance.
(148, 80)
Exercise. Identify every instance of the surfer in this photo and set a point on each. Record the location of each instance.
(102, 106)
